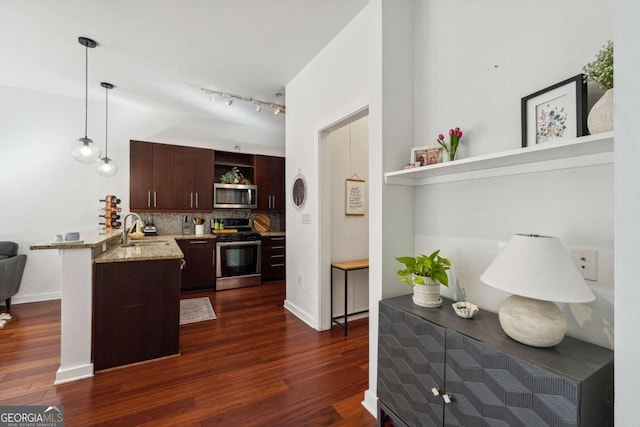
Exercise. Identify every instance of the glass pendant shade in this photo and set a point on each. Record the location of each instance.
(85, 150)
(106, 167)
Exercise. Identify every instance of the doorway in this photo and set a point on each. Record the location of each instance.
(344, 157)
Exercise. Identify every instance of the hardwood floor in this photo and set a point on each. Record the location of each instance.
(256, 365)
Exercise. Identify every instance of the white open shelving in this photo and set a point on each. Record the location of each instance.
(585, 151)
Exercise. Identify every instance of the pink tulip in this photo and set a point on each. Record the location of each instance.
(450, 132)
(457, 130)
(441, 137)
(459, 134)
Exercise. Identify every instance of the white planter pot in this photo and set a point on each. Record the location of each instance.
(600, 118)
(427, 295)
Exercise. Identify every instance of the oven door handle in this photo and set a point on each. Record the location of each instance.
(239, 243)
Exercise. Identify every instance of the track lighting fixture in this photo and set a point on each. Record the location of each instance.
(84, 150)
(106, 166)
(259, 103)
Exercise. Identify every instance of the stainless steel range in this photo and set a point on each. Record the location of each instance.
(237, 255)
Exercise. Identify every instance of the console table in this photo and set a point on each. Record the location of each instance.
(436, 369)
(346, 266)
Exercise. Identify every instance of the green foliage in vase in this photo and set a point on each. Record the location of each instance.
(234, 176)
(601, 69)
(433, 266)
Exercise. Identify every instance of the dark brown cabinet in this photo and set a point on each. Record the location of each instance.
(273, 256)
(170, 178)
(269, 173)
(436, 369)
(199, 270)
(136, 311)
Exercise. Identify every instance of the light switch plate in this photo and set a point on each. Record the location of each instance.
(587, 262)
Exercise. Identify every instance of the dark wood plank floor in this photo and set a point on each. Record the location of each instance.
(256, 365)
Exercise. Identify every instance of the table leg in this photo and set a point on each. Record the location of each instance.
(345, 301)
(331, 298)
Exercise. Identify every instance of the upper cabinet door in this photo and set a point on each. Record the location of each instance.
(269, 173)
(164, 191)
(141, 175)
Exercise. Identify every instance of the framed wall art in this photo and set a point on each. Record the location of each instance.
(427, 155)
(355, 197)
(556, 112)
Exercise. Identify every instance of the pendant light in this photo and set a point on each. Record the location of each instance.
(84, 150)
(106, 166)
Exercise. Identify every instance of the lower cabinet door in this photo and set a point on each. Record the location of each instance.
(497, 389)
(411, 358)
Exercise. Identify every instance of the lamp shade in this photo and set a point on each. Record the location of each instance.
(537, 267)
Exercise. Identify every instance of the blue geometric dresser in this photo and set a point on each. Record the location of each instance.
(436, 369)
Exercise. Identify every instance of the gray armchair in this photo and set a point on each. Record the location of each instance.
(11, 269)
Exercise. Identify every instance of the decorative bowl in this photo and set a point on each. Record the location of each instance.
(465, 309)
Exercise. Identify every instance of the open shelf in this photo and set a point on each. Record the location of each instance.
(585, 151)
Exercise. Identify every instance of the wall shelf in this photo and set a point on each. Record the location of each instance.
(585, 151)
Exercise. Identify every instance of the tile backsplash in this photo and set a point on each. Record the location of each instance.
(171, 223)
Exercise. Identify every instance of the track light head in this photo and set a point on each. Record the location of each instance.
(258, 107)
(229, 101)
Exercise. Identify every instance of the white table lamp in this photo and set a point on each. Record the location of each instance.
(536, 270)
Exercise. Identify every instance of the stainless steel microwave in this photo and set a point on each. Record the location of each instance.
(235, 196)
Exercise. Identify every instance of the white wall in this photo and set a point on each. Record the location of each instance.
(46, 192)
(332, 86)
(627, 202)
(349, 155)
(474, 78)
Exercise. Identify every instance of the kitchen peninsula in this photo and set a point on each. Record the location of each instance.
(116, 269)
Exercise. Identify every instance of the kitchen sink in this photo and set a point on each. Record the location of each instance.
(151, 243)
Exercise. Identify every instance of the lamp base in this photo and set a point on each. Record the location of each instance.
(532, 322)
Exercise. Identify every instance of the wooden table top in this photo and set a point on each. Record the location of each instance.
(351, 265)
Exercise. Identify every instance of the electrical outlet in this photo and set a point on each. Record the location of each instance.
(587, 262)
(306, 218)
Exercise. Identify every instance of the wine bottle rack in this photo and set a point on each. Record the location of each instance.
(111, 210)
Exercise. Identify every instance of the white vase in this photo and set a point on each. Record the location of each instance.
(427, 295)
(600, 117)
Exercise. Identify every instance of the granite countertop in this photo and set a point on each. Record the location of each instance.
(120, 253)
(273, 234)
(88, 240)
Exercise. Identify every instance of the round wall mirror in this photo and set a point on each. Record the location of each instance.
(299, 191)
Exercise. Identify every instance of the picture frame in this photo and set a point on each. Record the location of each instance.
(556, 112)
(427, 155)
(355, 197)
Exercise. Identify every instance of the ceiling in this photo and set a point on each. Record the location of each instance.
(160, 53)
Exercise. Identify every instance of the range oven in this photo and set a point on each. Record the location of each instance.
(238, 256)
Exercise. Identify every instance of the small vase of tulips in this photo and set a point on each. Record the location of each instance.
(455, 136)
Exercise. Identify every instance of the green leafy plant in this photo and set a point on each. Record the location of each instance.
(601, 70)
(234, 176)
(433, 266)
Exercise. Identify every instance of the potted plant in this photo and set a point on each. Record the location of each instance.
(425, 273)
(234, 176)
(455, 136)
(600, 71)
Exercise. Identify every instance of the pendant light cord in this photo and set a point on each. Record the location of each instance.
(106, 126)
(86, 88)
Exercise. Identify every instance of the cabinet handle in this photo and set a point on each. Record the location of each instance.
(182, 263)
(149, 198)
(197, 200)
(191, 202)
(447, 398)
(155, 199)
(277, 265)
(277, 239)
(435, 391)
(274, 201)
(198, 242)
(277, 247)
(277, 256)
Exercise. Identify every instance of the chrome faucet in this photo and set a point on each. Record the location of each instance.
(123, 239)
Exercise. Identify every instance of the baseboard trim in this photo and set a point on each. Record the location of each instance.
(73, 374)
(19, 299)
(301, 314)
(370, 402)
